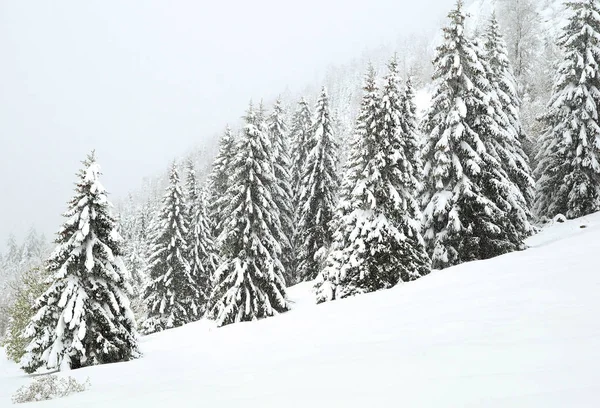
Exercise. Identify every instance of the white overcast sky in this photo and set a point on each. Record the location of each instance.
(143, 81)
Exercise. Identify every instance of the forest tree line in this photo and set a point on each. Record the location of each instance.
(286, 203)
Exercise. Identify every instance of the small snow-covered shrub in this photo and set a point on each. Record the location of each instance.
(49, 387)
(559, 218)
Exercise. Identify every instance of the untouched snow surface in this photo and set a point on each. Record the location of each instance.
(521, 330)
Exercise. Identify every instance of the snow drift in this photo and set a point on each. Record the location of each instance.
(520, 330)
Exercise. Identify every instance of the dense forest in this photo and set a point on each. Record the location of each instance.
(420, 155)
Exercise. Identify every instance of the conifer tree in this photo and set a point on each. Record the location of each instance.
(409, 124)
(34, 249)
(219, 179)
(9, 271)
(13, 258)
(133, 227)
(277, 132)
(509, 174)
(301, 143)
(467, 196)
(249, 283)
(318, 195)
(409, 127)
(13, 255)
(84, 317)
(173, 295)
(378, 242)
(201, 255)
(514, 160)
(568, 173)
(137, 262)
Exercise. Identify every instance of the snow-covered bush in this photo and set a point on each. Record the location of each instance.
(49, 387)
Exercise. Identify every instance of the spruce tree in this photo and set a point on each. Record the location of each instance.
(219, 180)
(133, 227)
(568, 173)
(13, 260)
(467, 196)
(277, 132)
(318, 195)
(509, 175)
(378, 242)
(84, 317)
(201, 255)
(35, 249)
(173, 295)
(409, 124)
(301, 143)
(514, 160)
(249, 283)
(137, 263)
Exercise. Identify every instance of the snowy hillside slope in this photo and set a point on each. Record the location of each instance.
(521, 330)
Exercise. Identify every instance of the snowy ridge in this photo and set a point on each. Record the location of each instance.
(520, 330)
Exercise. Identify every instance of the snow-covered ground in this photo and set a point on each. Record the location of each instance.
(521, 330)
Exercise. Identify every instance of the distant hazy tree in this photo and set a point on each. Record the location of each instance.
(301, 144)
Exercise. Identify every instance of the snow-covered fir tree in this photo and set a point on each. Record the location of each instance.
(361, 143)
(173, 295)
(139, 247)
(84, 317)
(409, 123)
(249, 283)
(219, 179)
(34, 249)
(467, 196)
(317, 198)
(515, 161)
(522, 20)
(568, 173)
(509, 169)
(202, 253)
(134, 228)
(378, 242)
(12, 260)
(301, 138)
(277, 132)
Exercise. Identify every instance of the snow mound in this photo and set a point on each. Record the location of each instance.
(558, 229)
(520, 330)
